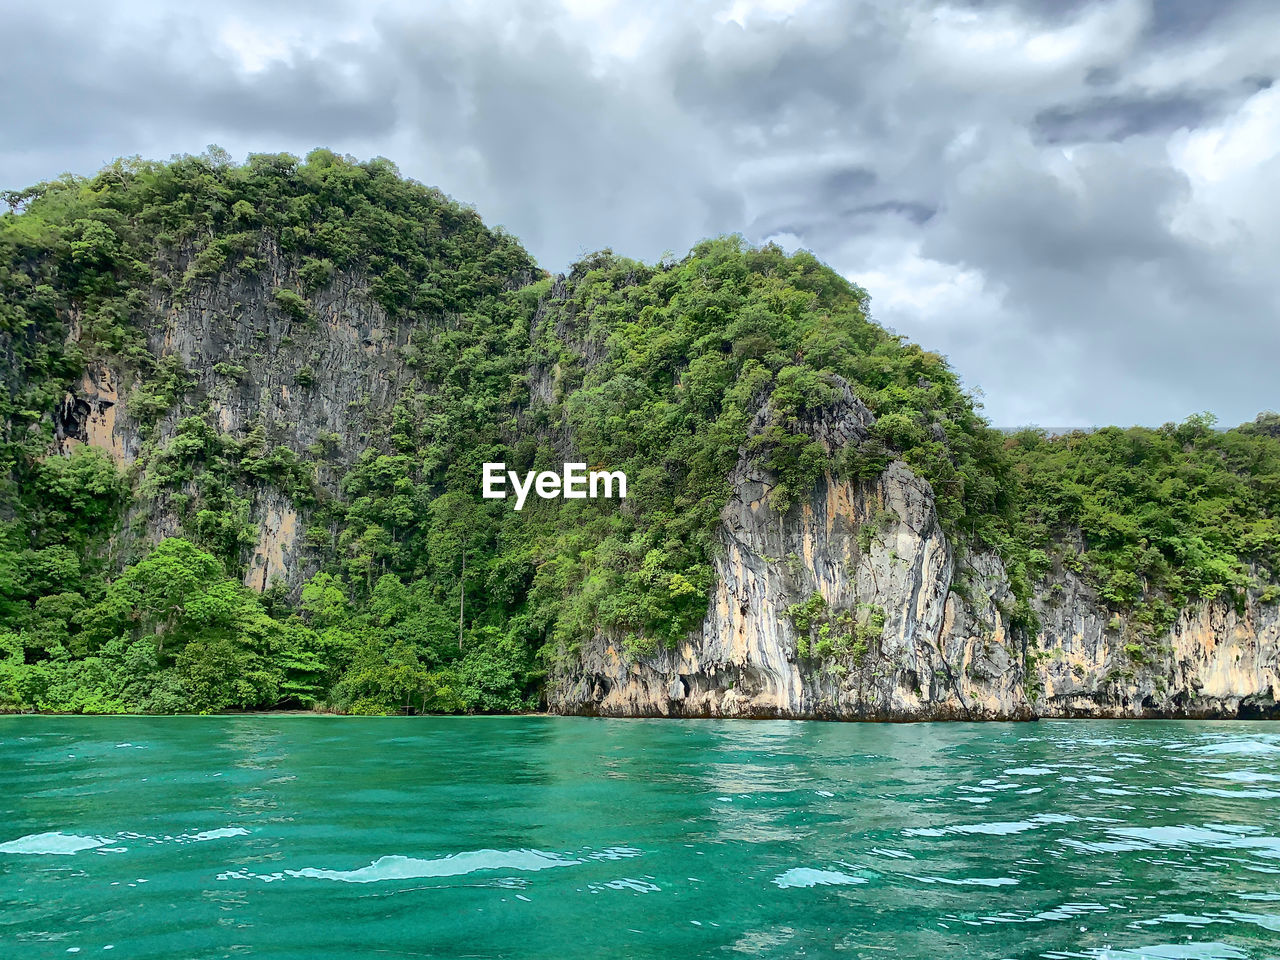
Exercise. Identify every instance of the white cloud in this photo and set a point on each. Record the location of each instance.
(1075, 202)
(992, 48)
(742, 11)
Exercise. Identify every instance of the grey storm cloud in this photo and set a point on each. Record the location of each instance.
(1117, 118)
(1075, 201)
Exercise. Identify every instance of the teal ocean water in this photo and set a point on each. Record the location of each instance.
(301, 837)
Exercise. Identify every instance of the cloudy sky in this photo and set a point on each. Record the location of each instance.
(1077, 202)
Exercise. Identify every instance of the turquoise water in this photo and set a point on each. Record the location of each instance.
(301, 837)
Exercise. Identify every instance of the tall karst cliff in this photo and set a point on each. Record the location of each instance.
(296, 369)
(314, 381)
(854, 553)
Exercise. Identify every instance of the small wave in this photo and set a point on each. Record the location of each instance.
(64, 844)
(809, 877)
(1267, 921)
(968, 881)
(1246, 776)
(1186, 919)
(1158, 951)
(56, 844)
(1259, 793)
(1066, 911)
(1000, 828)
(626, 883)
(1238, 746)
(396, 867)
(219, 834)
(1223, 837)
(1264, 920)
(616, 853)
(892, 854)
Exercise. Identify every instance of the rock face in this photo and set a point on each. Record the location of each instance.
(323, 382)
(848, 603)
(88, 415)
(868, 550)
(1215, 661)
(875, 549)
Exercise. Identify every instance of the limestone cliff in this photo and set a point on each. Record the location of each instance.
(941, 647)
(850, 602)
(320, 384)
(1215, 661)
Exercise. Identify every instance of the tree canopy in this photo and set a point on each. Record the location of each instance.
(653, 369)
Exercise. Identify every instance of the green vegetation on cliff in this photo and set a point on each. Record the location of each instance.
(417, 592)
(88, 271)
(1156, 518)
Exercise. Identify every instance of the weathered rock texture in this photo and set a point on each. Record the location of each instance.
(945, 651)
(323, 383)
(1215, 661)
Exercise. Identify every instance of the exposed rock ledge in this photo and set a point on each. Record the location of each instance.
(944, 652)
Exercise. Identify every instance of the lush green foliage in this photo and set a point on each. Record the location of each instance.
(427, 596)
(87, 268)
(174, 633)
(837, 637)
(1156, 518)
(658, 371)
